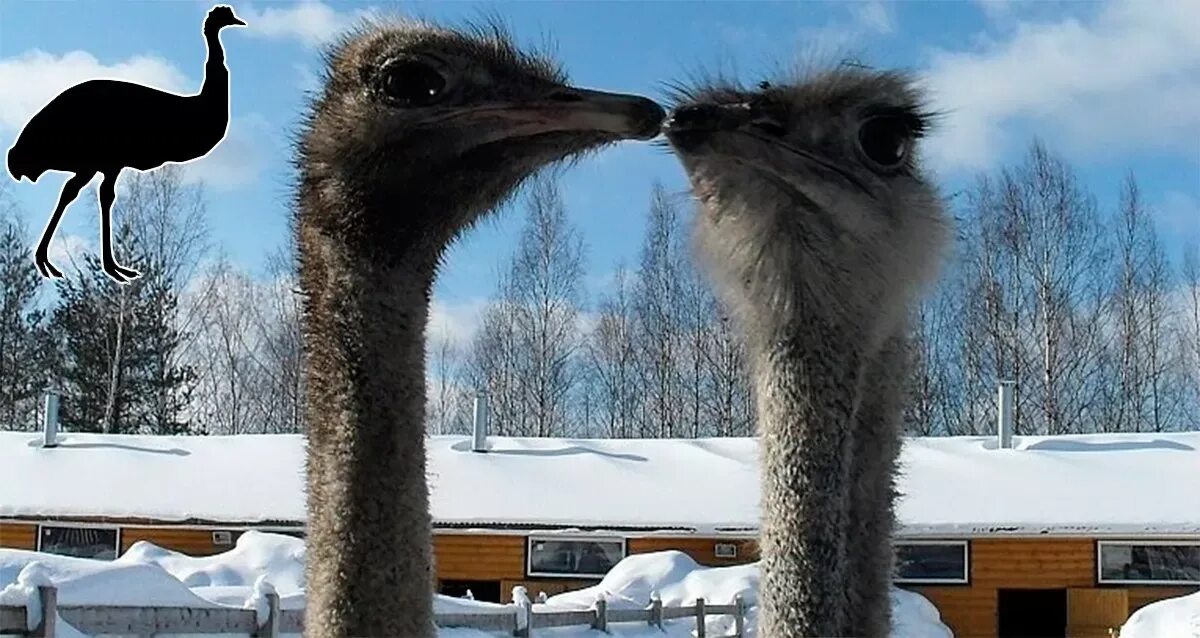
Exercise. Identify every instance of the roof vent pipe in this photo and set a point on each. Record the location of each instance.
(1004, 423)
(480, 423)
(50, 419)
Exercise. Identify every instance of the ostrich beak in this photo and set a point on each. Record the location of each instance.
(237, 22)
(572, 109)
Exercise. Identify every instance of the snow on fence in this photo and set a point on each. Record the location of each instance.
(520, 621)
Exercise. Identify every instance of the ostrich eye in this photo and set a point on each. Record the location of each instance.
(411, 83)
(885, 140)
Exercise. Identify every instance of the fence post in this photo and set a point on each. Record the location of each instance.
(700, 625)
(524, 619)
(739, 616)
(656, 612)
(601, 621)
(48, 596)
(270, 629)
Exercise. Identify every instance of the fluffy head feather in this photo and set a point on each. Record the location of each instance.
(804, 213)
(438, 126)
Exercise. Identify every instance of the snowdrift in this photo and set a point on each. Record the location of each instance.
(676, 579)
(150, 575)
(1171, 617)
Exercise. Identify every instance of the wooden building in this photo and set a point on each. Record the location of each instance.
(1048, 536)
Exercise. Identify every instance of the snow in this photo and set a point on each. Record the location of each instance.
(262, 562)
(24, 592)
(1178, 617)
(677, 580)
(951, 486)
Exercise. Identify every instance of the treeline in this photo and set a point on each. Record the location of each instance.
(652, 356)
(1074, 300)
(192, 346)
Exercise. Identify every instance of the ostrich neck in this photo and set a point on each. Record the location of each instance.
(369, 565)
(216, 74)
(805, 387)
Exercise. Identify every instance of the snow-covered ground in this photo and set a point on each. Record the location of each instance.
(1176, 617)
(150, 575)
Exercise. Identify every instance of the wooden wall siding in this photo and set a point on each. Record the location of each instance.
(194, 542)
(479, 557)
(18, 536)
(702, 550)
(1140, 596)
(1010, 563)
(1093, 612)
(969, 612)
(1042, 563)
(550, 586)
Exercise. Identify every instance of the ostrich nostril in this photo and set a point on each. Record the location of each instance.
(699, 116)
(769, 126)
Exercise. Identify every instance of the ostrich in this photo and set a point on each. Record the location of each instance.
(819, 231)
(418, 132)
(105, 126)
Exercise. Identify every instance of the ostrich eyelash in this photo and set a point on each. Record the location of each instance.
(918, 121)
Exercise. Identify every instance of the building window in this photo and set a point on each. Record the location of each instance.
(82, 542)
(932, 562)
(1149, 562)
(574, 557)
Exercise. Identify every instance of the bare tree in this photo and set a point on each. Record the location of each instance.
(657, 302)
(494, 367)
(544, 289)
(525, 353)
(448, 397)
(169, 219)
(279, 352)
(1189, 321)
(728, 400)
(1149, 366)
(612, 360)
(225, 352)
(1037, 253)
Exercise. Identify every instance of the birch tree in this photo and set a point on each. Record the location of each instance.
(657, 303)
(612, 360)
(526, 351)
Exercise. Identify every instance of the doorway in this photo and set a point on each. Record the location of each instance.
(486, 590)
(1032, 613)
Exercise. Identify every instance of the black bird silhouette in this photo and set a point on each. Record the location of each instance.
(105, 126)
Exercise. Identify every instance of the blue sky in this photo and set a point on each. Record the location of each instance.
(1114, 86)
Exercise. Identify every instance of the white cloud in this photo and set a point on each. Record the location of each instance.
(996, 9)
(30, 80)
(1126, 79)
(454, 320)
(875, 16)
(844, 36)
(312, 22)
(239, 159)
(66, 251)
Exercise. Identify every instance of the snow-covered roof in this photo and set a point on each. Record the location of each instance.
(1100, 484)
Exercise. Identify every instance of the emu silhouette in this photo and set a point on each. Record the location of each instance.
(105, 126)
(820, 232)
(418, 132)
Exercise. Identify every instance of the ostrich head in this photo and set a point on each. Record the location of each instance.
(812, 200)
(421, 129)
(219, 17)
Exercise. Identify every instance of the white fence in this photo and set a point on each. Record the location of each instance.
(521, 621)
